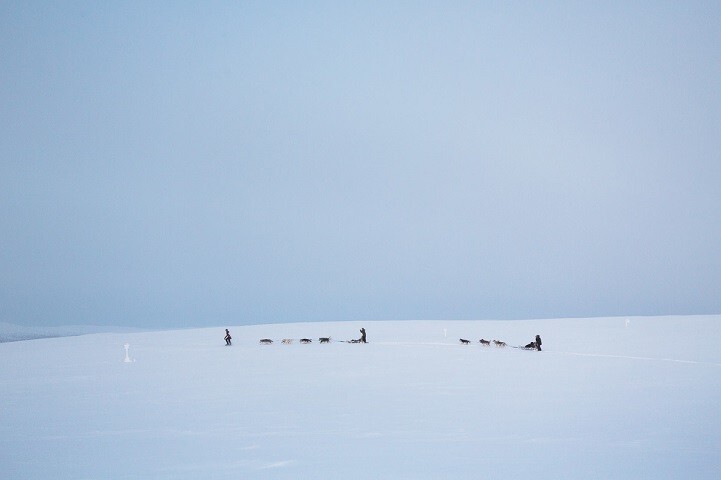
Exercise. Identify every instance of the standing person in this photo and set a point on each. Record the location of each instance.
(538, 343)
(363, 335)
(227, 337)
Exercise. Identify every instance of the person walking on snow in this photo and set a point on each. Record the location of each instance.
(538, 343)
(227, 337)
(363, 335)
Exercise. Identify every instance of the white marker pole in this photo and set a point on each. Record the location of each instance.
(127, 357)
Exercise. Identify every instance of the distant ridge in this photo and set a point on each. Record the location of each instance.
(16, 333)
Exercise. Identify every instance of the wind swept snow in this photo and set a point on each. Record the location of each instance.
(606, 398)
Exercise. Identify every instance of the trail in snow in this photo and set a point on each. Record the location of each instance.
(629, 357)
(545, 352)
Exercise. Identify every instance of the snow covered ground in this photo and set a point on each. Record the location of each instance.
(610, 398)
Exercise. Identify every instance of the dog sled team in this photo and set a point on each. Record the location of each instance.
(289, 341)
(534, 345)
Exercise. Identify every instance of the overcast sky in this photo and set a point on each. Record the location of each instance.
(225, 163)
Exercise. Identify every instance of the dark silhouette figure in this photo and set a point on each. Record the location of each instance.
(538, 342)
(227, 337)
(363, 335)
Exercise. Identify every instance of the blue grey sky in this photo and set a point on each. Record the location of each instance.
(172, 164)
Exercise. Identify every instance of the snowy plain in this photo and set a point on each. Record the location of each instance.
(607, 398)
